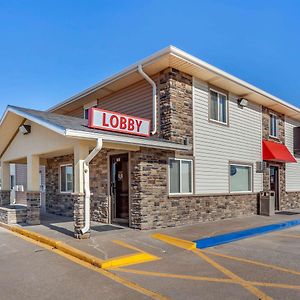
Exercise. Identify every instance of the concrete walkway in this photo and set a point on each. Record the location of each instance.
(102, 245)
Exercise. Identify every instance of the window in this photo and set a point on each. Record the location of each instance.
(218, 107)
(240, 178)
(66, 179)
(86, 110)
(180, 176)
(273, 125)
(12, 181)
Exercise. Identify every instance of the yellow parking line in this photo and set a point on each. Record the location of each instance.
(204, 278)
(174, 241)
(191, 246)
(103, 272)
(175, 276)
(128, 260)
(121, 243)
(253, 262)
(252, 289)
(288, 235)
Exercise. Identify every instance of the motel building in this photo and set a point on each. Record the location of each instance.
(170, 140)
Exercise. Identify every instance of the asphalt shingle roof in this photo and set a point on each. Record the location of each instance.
(72, 123)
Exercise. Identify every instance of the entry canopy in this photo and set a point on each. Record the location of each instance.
(277, 152)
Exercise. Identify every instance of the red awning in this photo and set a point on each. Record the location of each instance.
(277, 152)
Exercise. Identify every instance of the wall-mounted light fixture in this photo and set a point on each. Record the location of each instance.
(242, 102)
(25, 129)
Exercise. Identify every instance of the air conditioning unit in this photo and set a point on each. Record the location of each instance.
(260, 166)
(19, 188)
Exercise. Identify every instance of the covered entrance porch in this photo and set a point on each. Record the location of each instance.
(88, 172)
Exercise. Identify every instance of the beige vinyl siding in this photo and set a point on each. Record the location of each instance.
(133, 100)
(215, 144)
(292, 169)
(78, 112)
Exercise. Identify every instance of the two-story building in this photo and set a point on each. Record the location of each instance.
(169, 140)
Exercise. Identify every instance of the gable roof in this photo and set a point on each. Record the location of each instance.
(71, 127)
(182, 61)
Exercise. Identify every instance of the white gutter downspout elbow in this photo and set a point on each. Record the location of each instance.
(154, 99)
(87, 191)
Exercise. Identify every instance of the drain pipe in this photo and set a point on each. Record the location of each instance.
(87, 191)
(154, 99)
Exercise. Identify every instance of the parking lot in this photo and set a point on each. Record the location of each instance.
(262, 267)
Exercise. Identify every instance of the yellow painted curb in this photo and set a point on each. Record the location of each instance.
(115, 262)
(127, 260)
(174, 241)
(56, 244)
(93, 260)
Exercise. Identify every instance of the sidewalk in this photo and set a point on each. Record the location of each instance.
(101, 243)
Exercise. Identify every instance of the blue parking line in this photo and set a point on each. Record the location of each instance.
(243, 234)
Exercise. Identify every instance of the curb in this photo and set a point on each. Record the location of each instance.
(56, 244)
(187, 245)
(114, 262)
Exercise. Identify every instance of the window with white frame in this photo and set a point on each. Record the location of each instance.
(180, 176)
(66, 178)
(240, 178)
(218, 107)
(273, 125)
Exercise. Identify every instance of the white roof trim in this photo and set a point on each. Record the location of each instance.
(126, 140)
(132, 68)
(25, 115)
(94, 135)
(184, 56)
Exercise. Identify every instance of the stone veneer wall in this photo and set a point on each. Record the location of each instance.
(176, 106)
(151, 207)
(99, 187)
(63, 204)
(56, 202)
(288, 200)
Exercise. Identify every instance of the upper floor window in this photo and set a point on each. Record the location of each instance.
(86, 109)
(218, 107)
(273, 125)
(180, 176)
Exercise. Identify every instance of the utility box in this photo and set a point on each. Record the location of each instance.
(267, 203)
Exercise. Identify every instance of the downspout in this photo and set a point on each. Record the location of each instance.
(87, 191)
(154, 99)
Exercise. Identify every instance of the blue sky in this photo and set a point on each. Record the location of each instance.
(50, 50)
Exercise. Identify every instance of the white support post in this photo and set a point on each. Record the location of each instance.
(5, 176)
(81, 151)
(33, 190)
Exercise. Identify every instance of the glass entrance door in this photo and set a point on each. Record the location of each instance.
(274, 184)
(119, 188)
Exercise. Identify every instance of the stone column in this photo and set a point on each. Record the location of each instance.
(4, 198)
(33, 208)
(81, 151)
(79, 216)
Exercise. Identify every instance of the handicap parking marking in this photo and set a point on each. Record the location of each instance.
(204, 278)
(246, 284)
(226, 238)
(254, 262)
(89, 265)
(190, 246)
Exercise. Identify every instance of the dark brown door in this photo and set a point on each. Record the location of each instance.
(274, 184)
(119, 187)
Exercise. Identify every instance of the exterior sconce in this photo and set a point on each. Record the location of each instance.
(25, 129)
